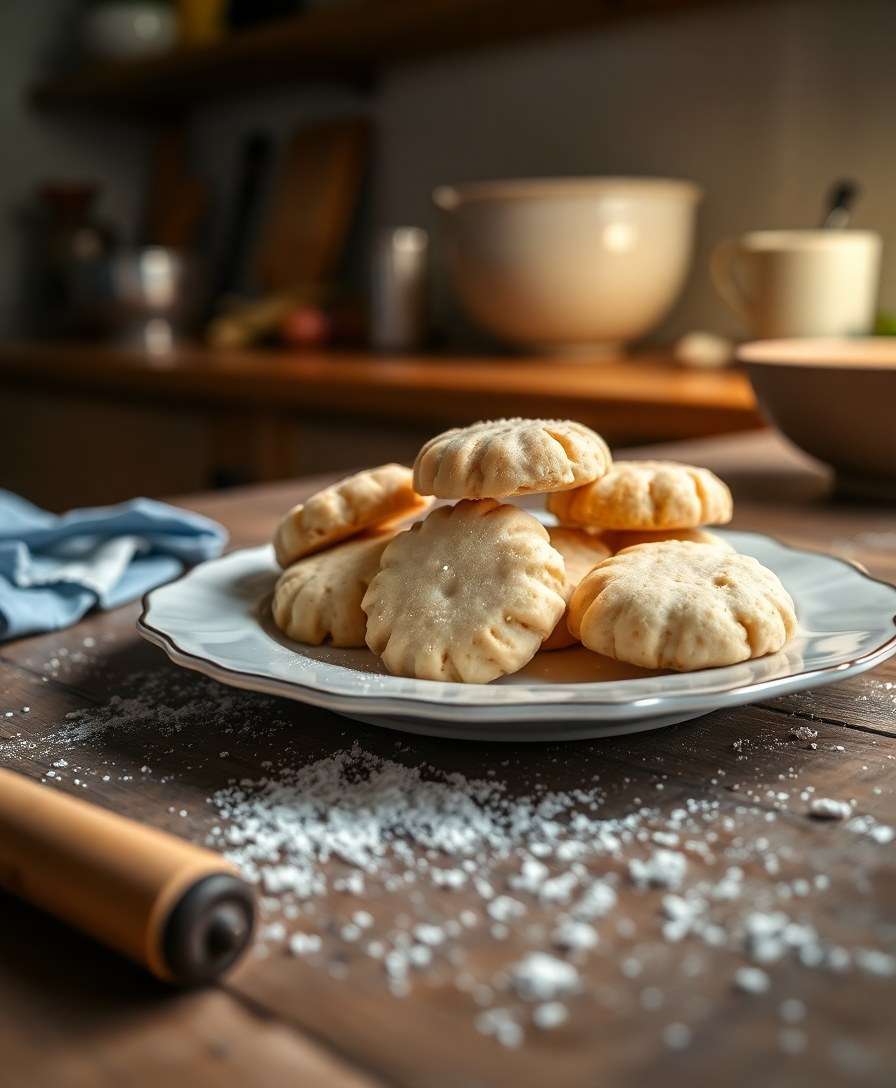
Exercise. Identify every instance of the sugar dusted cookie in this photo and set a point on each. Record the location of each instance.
(318, 598)
(468, 594)
(678, 605)
(358, 502)
(617, 539)
(504, 457)
(647, 495)
(581, 551)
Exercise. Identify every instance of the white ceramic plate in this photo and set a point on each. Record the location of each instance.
(216, 620)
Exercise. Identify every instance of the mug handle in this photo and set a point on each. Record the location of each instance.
(722, 269)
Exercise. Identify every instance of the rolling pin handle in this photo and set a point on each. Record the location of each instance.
(208, 929)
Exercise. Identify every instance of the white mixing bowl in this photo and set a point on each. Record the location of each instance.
(568, 263)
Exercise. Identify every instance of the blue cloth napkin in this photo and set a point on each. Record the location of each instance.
(54, 568)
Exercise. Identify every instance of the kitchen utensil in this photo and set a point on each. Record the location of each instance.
(128, 29)
(840, 201)
(568, 264)
(311, 212)
(145, 297)
(66, 235)
(216, 619)
(180, 911)
(784, 283)
(398, 289)
(833, 399)
(255, 159)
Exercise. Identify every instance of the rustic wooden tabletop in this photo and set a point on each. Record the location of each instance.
(406, 981)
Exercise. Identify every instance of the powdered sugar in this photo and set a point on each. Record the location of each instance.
(663, 869)
(826, 808)
(540, 977)
(521, 856)
(303, 944)
(502, 1024)
(572, 935)
(550, 1015)
(408, 868)
(751, 980)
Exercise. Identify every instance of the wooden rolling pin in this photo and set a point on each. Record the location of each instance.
(179, 910)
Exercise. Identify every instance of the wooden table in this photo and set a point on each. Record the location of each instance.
(74, 1014)
(196, 416)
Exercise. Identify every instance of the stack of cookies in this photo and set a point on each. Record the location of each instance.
(475, 589)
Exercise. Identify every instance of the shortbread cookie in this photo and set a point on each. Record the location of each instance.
(494, 459)
(678, 605)
(617, 539)
(468, 594)
(581, 551)
(646, 495)
(369, 498)
(319, 597)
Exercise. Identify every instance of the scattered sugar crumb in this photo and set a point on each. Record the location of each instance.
(752, 980)
(501, 1024)
(677, 1036)
(663, 869)
(574, 936)
(304, 944)
(540, 977)
(550, 1015)
(826, 808)
(792, 1010)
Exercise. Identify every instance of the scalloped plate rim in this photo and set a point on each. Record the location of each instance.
(582, 706)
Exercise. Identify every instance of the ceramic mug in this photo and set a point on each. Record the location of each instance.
(785, 283)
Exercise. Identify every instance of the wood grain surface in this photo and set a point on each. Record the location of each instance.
(75, 1015)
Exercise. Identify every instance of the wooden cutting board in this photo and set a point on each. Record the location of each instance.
(314, 198)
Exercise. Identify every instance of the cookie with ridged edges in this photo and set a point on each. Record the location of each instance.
(678, 605)
(468, 594)
(498, 458)
(617, 539)
(646, 495)
(318, 599)
(581, 551)
(366, 499)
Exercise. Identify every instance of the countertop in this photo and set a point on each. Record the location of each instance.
(653, 1004)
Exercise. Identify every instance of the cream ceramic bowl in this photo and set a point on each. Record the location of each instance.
(568, 264)
(835, 399)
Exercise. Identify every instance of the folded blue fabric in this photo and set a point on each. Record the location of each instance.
(54, 568)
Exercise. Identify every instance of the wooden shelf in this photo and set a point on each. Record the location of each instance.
(344, 43)
(642, 398)
(196, 418)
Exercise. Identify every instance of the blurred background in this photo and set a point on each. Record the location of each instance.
(222, 261)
